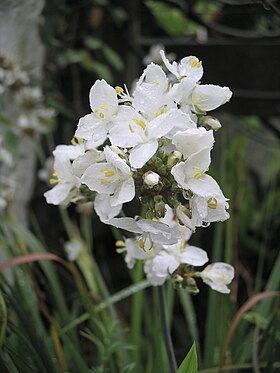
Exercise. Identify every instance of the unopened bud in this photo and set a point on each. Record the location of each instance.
(150, 179)
(210, 123)
(191, 286)
(160, 209)
(174, 158)
(177, 280)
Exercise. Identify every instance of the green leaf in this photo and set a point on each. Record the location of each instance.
(3, 319)
(113, 58)
(171, 19)
(189, 364)
(93, 43)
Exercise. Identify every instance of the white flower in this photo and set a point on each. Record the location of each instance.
(209, 209)
(133, 252)
(113, 177)
(190, 174)
(133, 131)
(151, 231)
(67, 182)
(208, 97)
(104, 105)
(166, 261)
(193, 140)
(73, 249)
(217, 276)
(189, 67)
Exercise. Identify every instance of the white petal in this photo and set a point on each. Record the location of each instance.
(101, 96)
(84, 161)
(193, 140)
(125, 132)
(164, 123)
(104, 209)
(119, 163)
(173, 68)
(128, 224)
(206, 186)
(69, 151)
(194, 256)
(154, 74)
(209, 97)
(142, 154)
(95, 180)
(124, 193)
(59, 194)
(92, 127)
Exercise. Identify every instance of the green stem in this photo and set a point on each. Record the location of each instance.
(166, 330)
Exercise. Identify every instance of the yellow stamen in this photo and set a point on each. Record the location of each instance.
(155, 81)
(119, 243)
(104, 107)
(203, 106)
(109, 173)
(141, 243)
(140, 123)
(201, 96)
(212, 203)
(199, 64)
(131, 128)
(54, 174)
(119, 90)
(199, 174)
(102, 115)
(103, 181)
(120, 251)
(158, 113)
(194, 101)
(73, 141)
(53, 181)
(194, 64)
(165, 109)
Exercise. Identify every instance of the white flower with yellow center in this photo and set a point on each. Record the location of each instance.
(67, 182)
(189, 67)
(113, 177)
(190, 175)
(218, 276)
(132, 130)
(165, 262)
(104, 105)
(209, 97)
(150, 231)
(210, 208)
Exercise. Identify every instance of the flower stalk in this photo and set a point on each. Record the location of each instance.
(166, 330)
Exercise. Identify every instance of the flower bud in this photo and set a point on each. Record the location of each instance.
(191, 286)
(174, 158)
(159, 207)
(210, 123)
(150, 179)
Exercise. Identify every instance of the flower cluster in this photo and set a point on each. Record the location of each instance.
(28, 117)
(154, 146)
